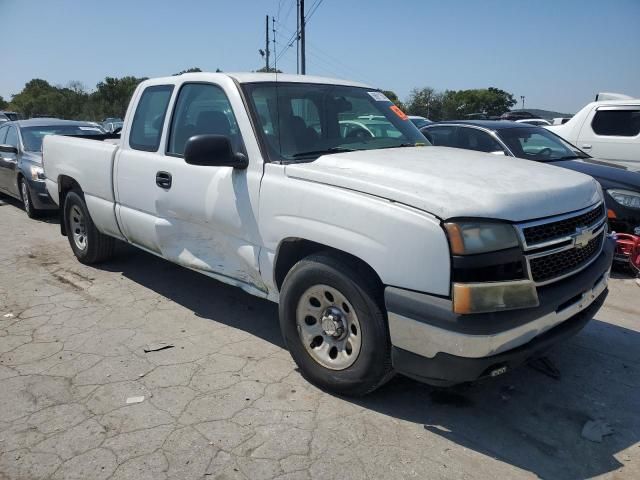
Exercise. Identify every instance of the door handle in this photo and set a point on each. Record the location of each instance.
(586, 146)
(163, 180)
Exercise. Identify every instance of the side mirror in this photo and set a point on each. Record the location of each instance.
(213, 151)
(8, 149)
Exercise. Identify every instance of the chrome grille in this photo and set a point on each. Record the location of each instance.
(559, 264)
(560, 246)
(546, 232)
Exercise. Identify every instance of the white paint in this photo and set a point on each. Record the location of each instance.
(384, 207)
(578, 131)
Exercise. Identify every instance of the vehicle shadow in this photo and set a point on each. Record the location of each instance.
(46, 216)
(523, 418)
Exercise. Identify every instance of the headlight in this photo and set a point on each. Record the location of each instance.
(37, 173)
(625, 197)
(472, 237)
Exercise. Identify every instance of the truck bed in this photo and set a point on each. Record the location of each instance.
(90, 164)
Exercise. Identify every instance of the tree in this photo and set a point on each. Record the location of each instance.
(112, 96)
(3, 103)
(391, 95)
(425, 102)
(188, 70)
(269, 70)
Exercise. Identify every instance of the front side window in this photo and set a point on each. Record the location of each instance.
(12, 137)
(537, 143)
(474, 139)
(200, 109)
(616, 123)
(301, 121)
(3, 134)
(146, 128)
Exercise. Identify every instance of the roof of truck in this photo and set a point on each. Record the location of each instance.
(254, 77)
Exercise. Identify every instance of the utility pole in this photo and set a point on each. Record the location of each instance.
(522, 98)
(275, 65)
(303, 59)
(297, 37)
(266, 30)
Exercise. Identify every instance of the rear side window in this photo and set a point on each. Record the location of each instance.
(441, 136)
(146, 128)
(201, 108)
(472, 139)
(618, 123)
(3, 134)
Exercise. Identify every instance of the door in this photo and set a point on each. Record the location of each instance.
(210, 221)
(9, 161)
(612, 133)
(204, 215)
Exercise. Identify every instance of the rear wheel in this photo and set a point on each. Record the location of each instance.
(334, 325)
(25, 193)
(88, 244)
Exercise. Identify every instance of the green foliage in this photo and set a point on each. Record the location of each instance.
(188, 70)
(3, 103)
(457, 104)
(391, 95)
(269, 70)
(110, 99)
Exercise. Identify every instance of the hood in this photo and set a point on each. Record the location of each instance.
(449, 182)
(33, 157)
(609, 174)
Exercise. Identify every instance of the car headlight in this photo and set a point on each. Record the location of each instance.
(473, 237)
(37, 173)
(625, 197)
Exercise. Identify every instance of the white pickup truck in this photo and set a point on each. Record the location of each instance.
(608, 129)
(385, 254)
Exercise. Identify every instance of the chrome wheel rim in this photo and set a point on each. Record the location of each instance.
(78, 228)
(328, 327)
(25, 196)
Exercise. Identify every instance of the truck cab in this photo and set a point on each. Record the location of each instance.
(384, 253)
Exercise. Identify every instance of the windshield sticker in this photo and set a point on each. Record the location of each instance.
(398, 112)
(379, 96)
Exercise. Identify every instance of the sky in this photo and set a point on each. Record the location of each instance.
(557, 53)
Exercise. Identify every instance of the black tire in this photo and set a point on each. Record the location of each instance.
(27, 202)
(97, 247)
(372, 367)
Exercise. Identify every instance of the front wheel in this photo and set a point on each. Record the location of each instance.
(88, 244)
(334, 326)
(25, 193)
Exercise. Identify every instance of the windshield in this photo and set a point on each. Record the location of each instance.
(536, 143)
(32, 136)
(301, 121)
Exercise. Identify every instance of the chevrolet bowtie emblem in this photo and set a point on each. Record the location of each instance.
(582, 237)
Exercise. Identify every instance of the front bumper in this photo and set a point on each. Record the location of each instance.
(437, 346)
(40, 196)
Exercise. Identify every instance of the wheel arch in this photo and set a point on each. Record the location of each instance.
(293, 249)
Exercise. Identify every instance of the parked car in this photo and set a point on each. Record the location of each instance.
(560, 120)
(607, 128)
(441, 264)
(621, 186)
(6, 116)
(534, 121)
(21, 173)
(516, 115)
(419, 121)
(113, 127)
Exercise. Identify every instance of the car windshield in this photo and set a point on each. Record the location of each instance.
(421, 122)
(302, 121)
(537, 143)
(32, 136)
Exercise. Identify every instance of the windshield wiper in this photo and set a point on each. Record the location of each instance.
(569, 157)
(322, 152)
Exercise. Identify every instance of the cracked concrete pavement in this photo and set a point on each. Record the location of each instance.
(226, 402)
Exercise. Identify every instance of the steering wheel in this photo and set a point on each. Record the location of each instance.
(545, 152)
(359, 134)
